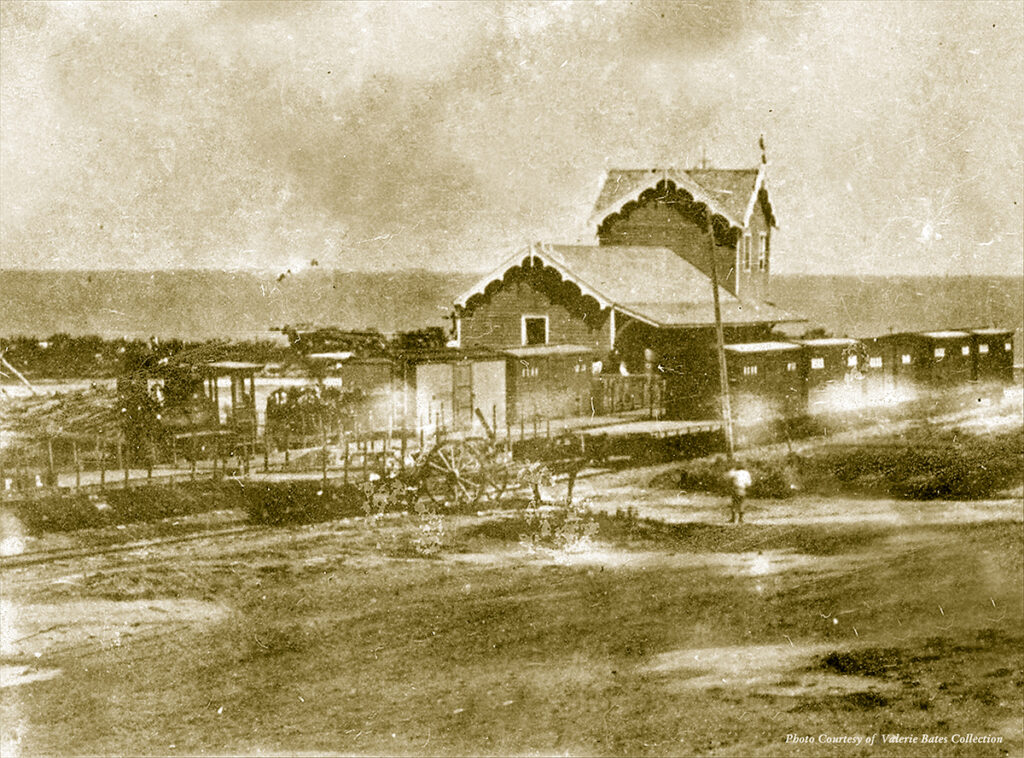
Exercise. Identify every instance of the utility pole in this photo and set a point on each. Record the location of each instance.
(723, 373)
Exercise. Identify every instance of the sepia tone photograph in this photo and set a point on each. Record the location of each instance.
(611, 378)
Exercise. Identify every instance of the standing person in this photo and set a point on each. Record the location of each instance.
(739, 480)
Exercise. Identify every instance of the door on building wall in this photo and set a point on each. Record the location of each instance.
(462, 395)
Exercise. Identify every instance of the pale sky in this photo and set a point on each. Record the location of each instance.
(389, 135)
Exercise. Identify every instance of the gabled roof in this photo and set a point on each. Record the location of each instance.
(543, 351)
(731, 193)
(651, 284)
(828, 342)
(994, 332)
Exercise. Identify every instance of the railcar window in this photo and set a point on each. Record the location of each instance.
(852, 361)
(965, 350)
(940, 352)
(906, 359)
(749, 370)
(791, 366)
(1008, 346)
(817, 363)
(983, 348)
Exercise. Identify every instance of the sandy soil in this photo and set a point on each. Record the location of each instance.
(681, 635)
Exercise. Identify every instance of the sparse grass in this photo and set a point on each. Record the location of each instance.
(326, 649)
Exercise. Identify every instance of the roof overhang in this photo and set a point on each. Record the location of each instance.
(538, 251)
(682, 181)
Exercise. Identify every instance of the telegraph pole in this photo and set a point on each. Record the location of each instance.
(723, 373)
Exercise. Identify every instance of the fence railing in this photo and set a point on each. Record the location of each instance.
(614, 393)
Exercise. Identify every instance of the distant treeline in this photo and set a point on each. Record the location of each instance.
(232, 313)
(62, 356)
(226, 305)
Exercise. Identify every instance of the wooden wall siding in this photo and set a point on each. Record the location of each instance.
(548, 387)
(836, 359)
(656, 223)
(687, 360)
(356, 375)
(925, 368)
(754, 284)
(773, 392)
(997, 363)
(433, 395)
(489, 394)
(496, 320)
(437, 400)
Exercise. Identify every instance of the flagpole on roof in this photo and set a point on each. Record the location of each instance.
(723, 373)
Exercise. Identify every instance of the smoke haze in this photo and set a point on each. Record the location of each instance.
(376, 136)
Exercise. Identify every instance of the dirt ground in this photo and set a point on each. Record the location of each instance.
(671, 633)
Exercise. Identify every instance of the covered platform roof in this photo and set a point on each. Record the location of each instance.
(762, 347)
(533, 351)
(828, 342)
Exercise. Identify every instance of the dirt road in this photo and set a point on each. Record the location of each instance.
(681, 635)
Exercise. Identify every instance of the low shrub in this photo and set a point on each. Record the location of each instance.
(772, 478)
(279, 503)
(928, 465)
(923, 464)
(876, 661)
(73, 511)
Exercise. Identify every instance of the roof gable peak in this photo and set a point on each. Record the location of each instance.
(731, 193)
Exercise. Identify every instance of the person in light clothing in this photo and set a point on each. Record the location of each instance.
(739, 480)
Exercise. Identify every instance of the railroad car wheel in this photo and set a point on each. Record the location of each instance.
(454, 475)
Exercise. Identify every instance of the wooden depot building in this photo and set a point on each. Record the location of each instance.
(641, 300)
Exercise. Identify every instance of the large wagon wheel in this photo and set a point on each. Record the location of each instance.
(497, 468)
(454, 474)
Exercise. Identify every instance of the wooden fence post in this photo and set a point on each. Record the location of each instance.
(323, 454)
(78, 465)
(52, 470)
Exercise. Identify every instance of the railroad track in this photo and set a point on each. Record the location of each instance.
(37, 557)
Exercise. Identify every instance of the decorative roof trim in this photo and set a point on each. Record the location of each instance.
(496, 273)
(546, 255)
(682, 181)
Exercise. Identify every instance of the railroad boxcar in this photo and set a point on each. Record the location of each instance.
(832, 370)
(765, 381)
(931, 360)
(548, 381)
(993, 355)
